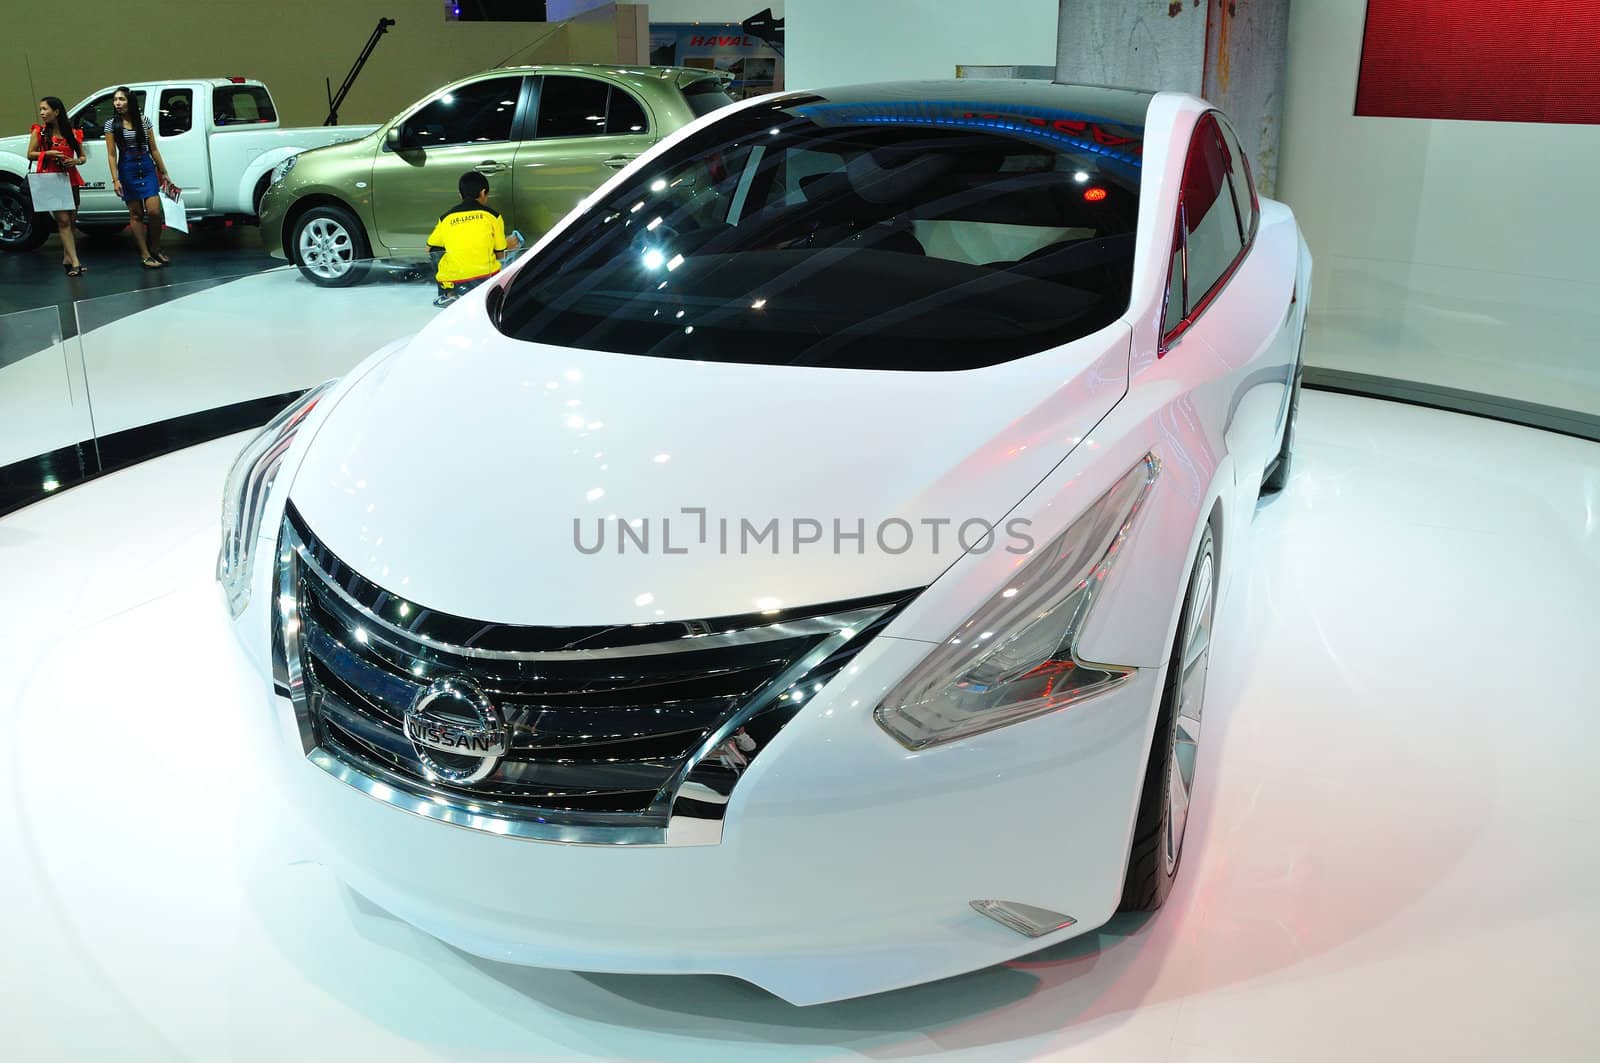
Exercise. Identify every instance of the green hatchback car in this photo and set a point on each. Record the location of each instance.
(545, 136)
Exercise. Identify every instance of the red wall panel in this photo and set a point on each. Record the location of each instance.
(1485, 60)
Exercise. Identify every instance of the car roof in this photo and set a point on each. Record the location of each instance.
(648, 73)
(214, 82)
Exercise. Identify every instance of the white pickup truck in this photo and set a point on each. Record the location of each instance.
(219, 136)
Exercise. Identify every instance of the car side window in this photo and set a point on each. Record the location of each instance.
(572, 107)
(1244, 187)
(479, 113)
(1210, 221)
(624, 114)
(177, 112)
(1176, 303)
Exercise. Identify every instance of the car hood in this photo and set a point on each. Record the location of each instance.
(476, 475)
(339, 152)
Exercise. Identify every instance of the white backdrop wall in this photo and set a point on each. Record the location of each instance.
(1454, 253)
(839, 42)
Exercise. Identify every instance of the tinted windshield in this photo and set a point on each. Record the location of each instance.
(857, 235)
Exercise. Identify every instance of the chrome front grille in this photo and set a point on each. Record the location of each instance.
(611, 734)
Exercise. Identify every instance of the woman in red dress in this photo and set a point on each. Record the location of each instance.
(58, 148)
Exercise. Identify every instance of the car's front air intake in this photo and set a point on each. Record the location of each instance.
(601, 734)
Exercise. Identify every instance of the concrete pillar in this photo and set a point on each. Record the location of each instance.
(1136, 44)
(1246, 52)
(1229, 51)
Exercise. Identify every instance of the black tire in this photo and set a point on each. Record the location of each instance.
(339, 238)
(20, 228)
(1152, 862)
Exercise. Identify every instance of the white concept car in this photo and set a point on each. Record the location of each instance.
(801, 565)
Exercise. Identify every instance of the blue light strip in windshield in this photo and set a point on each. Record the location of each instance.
(984, 116)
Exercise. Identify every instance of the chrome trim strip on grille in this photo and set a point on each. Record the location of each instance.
(682, 811)
(735, 630)
(817, 625)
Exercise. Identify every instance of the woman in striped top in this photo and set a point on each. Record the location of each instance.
(137, 170)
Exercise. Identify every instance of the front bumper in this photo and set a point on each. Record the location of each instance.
(847, 864)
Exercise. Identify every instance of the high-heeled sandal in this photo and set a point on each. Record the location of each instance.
(72, 271)
(150, 262)
(161, 257)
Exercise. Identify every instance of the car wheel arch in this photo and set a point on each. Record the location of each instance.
(309, 202)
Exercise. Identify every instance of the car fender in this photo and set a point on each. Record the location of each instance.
(1134, 618)
(14, 165)
(359, 204)
(259, 167)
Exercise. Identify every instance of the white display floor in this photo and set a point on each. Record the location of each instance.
(1392, 857)
(153, 355)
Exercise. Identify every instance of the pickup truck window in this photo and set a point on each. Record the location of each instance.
(177, 112)
(481, 112)
(242, 105)
(94, 115)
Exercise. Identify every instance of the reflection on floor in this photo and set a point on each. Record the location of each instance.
(153, 355)
(1391, 855)
(35, 278)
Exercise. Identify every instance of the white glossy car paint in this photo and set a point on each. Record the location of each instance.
(834, 875)
(643, 438)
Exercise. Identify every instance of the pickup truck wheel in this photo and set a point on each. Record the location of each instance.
(330, 247)
(20, 228)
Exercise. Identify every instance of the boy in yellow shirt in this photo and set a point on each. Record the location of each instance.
(472, 236)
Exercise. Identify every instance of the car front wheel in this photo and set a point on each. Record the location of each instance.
(330, 247)
(1169, 775)
(20, 228)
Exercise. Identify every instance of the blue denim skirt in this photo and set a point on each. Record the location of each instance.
(137, 172)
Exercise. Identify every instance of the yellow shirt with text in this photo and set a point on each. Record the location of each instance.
(470, 235)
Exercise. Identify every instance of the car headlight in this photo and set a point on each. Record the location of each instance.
(245, 496)
(280, 171)
(1016, 656)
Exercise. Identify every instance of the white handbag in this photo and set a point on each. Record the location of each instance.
(50, 191)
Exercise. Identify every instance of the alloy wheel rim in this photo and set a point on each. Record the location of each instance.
(326, 248)
(1195, 660)
(13, 217)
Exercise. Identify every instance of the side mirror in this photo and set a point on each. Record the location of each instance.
(391, 138)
